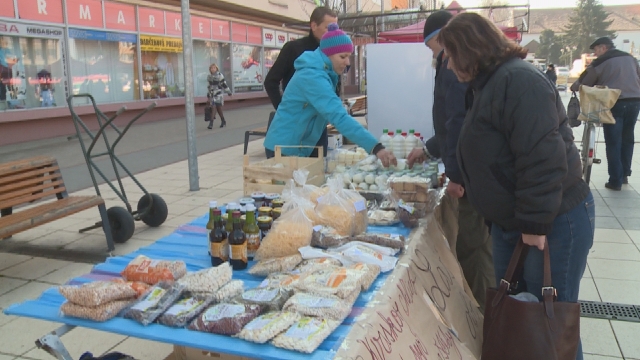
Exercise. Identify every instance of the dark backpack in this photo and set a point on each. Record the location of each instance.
(573, 110)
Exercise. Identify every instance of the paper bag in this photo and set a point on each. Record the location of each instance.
(596, 103)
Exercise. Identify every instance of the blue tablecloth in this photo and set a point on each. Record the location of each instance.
(188, 243)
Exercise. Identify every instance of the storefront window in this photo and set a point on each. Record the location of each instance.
(270, 56)
(162, 67)
(104, 65)
(31, 71)
(247, 68)
(206, 53)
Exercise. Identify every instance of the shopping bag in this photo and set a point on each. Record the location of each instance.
(207, 113)
(573, 110)
(596, 103)
(515, 329)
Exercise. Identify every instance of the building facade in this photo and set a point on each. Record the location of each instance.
(129, 53)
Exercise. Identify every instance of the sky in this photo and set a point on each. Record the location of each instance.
(539, 4)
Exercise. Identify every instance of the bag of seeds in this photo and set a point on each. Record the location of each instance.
(155, 302)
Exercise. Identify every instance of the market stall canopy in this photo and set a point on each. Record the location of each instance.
(413, 33)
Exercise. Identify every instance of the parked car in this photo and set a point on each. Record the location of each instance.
(563, 78)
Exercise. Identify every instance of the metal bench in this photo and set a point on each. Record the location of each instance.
(24, 182)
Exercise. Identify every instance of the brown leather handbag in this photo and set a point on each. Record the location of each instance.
(514, 329)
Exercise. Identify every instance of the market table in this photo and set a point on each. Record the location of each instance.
(189, 243)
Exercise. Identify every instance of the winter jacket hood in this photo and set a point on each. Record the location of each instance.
(310, 103)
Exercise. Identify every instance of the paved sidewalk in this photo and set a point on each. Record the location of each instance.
(613, 273)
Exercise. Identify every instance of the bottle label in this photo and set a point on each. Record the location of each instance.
(239, 252)
(219, 250)
(253, 243)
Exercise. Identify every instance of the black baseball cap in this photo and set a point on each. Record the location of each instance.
(602, 41)
(434, 23)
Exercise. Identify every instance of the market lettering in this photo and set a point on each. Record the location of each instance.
(221, 28)
(151, 42)
(419, 350)
(446, 345)
(121, 18)
(42, 7)
(201, 28)
(177, 24)
(152, 21)
(85, 12)
(9, 28)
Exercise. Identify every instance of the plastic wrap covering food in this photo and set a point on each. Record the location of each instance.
(382, 217)
(229, 291)
(306, 334)
(151, 271)
(267, 326)
(410, 214)
(207, 280)
(335, 281)
(311, 265)
(155, 302)
(269, 299)
(97, 293)
(392, 241)
(287, 281)
(183, 311)
(289, 233)
(326, 237)
(139, 286)
(322, 306)
(369, 274)
(335, 210)
(225, 319)
(102, 312)
(357, 252)
(359, 204)
(270, 266)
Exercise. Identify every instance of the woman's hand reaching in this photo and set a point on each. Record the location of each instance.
(387, 158)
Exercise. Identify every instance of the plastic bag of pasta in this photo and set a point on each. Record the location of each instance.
(359, 204)
(183, 311)
(152, 271)
(289, 233)
(335, 210)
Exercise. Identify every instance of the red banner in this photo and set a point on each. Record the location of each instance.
(40, 10)
(7, 10)
(220, 30)
(174, 23)
(120, 16)
(151, 20)
(85, 13)
(239, 32)
(200, 27)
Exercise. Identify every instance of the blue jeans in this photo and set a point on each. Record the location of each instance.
(619, 139)
(569, 243)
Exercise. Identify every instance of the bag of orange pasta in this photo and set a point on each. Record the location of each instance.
(336, 210)
(152, 271)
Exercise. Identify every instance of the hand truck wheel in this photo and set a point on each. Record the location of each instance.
(122, 224)
(158, 212)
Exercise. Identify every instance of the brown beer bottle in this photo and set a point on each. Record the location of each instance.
(238, 244)
(218, 245)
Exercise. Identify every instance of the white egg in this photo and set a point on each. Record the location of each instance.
(358, 178)
(370, 179)
(373, 187)
(340, 168)
(363, 186)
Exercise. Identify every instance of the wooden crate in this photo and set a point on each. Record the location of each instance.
(264, 176)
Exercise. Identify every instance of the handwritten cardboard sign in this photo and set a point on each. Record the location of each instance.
(422, 311)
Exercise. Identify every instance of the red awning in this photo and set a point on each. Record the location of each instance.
(413, 33)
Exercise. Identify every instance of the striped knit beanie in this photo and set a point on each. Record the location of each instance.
(335, 41)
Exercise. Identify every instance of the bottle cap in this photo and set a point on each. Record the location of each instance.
(232, 206)
(398, 131)
(385, 131)
(250, 207)
(404, 134)
(417, 134)
(217, 211)
(213, 204)
(390, 133)
(411, 131)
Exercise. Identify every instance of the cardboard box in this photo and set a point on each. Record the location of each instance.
(187, 353)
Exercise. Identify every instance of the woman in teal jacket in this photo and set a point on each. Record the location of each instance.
(310, 103)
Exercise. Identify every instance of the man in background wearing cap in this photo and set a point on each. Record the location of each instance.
(617, 70)
(473, 244)
(282, 70)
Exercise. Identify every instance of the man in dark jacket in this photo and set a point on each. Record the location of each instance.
(282, 69)
(551, 74)
(473, 244)
(617, 70)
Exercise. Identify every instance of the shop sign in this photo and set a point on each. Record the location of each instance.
(268, 37)
(292, 37)
(173, 23)
(151, 20)
(220, 30)
(120, 16)
(281, 38)
(7, 10)
(9, 28)
(160, 44)
(84, 12)
(40, 10)
(102, 36)
(200, 27)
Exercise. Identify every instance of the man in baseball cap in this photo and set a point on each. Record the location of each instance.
(473, 244)
(602, 41)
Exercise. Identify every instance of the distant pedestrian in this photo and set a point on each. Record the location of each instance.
(551, 74)
(215, 96)
(616, 69)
